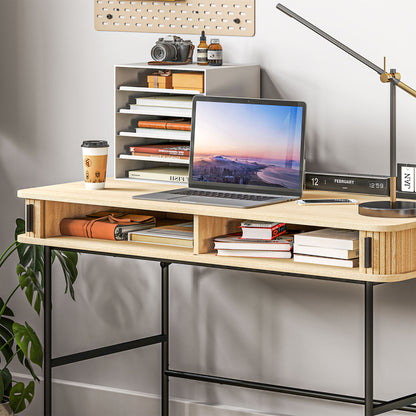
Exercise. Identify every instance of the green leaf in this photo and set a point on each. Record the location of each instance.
(68, 260)
(29, 281)
(20, 227)
(6, 333)
(2, 389)
(29, 343)
(19, 395)
(6, 380)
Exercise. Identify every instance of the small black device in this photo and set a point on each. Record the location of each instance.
(347, 182)
(328, 201)
(172, 49)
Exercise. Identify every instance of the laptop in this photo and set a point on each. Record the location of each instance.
(245, 152)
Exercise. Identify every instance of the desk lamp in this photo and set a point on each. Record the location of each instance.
(391, 208)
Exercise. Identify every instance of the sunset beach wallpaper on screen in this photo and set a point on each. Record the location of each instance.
(249, 144)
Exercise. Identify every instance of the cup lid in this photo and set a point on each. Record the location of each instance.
(95, 143)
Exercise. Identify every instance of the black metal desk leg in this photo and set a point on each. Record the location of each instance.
(369, 381)
(165, 344)
(47, 325)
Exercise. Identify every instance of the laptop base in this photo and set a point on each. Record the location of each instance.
(171, 196)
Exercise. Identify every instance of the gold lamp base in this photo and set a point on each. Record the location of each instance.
(387, 209)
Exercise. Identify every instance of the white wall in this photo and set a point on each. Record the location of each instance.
(56, 89)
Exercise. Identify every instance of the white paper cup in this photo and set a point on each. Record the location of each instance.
(94, 156)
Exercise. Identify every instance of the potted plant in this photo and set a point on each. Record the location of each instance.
(18, 341)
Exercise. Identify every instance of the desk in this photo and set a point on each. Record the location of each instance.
(387, 254)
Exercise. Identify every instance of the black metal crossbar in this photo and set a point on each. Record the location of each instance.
(395, 404)
(315, 394)
(110, 349)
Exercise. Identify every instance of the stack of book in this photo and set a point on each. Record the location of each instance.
(330, 246)
(162, 105)
(179, 234)
(257, 239)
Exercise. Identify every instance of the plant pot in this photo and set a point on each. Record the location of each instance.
(5, 410)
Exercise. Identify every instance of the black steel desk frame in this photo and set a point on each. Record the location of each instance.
(372, 407)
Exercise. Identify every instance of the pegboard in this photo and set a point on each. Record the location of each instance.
(216, 17)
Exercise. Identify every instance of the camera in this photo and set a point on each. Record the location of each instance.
(172, 49)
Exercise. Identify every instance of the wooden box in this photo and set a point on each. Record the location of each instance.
(158, 81)
(188, 81)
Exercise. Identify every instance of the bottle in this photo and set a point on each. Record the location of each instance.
(201, 52)
(215, 53)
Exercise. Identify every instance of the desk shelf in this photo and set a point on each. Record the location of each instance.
(131, 83)
(393, 253)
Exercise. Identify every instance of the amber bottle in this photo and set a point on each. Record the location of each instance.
(202, 50)
(215, 53)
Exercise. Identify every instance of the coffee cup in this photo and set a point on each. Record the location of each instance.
(94, 155)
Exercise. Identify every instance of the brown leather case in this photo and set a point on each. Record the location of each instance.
(106, 225)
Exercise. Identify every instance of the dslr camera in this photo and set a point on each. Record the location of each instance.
(172, 49)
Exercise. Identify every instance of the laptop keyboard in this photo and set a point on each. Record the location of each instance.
(229, 195)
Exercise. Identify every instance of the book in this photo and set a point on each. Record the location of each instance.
(302, 258)
(170, 124)
(183, 135)
(326, 251)
(158, 111)
(234, 242)
(273, 254)
(344, 182)
(161, 173)
(329, 237)
(262, 230)
(178, 101)
(179, 234)
(177, 149)
(157, 156)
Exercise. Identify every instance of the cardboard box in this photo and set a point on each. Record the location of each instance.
(158, 81)
(188, 81)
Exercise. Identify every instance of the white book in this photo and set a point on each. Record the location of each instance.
(162, 134)
(162, 173)
(337, 253)
(282, 243)
(158, 111)
(329, 237)
(272, 254)
(156, 158)
(177, 101)
(302, 258)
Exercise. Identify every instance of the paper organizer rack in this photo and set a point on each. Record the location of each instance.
(216, 17)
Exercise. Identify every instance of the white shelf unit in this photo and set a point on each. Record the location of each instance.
(131, 83)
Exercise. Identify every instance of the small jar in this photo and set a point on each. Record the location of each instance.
(215, 53)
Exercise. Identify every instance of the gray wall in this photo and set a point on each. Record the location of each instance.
(56, 89)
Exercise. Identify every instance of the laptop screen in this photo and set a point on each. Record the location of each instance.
(248, 145)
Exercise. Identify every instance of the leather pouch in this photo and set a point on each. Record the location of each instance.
(106, 225)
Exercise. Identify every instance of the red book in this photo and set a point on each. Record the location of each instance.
(171, 124)
(168, 149)
(262, 230)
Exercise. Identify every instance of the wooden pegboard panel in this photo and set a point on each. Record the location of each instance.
(216, 17)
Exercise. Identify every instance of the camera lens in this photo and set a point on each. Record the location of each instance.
(163, 52)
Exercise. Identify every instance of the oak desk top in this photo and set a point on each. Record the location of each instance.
(118, 193)
(393, 252)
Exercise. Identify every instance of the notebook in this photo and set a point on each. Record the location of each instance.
(245, 152)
